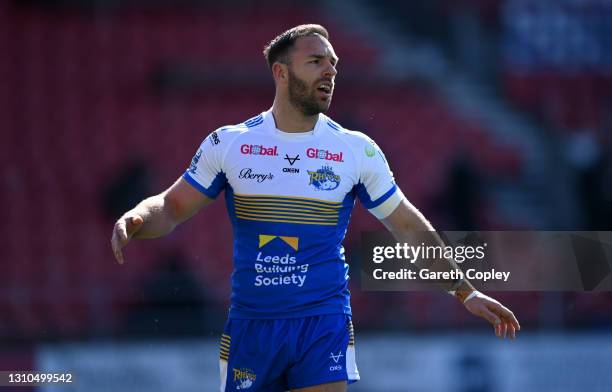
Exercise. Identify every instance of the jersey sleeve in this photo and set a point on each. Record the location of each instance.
(205, 173)
(376, 189)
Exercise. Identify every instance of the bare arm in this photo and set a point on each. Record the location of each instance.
(157, 215)
(407, 218)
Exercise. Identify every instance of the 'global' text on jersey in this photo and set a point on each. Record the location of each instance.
(324, 154)
(253, 149)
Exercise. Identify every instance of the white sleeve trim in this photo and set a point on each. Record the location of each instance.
(388, 206)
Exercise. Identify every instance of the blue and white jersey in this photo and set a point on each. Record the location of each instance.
(289, 197)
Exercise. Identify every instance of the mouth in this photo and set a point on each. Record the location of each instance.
(325, 88)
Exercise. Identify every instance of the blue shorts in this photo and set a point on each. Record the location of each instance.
(283, 354)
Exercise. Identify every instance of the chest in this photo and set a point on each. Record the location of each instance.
(322, 171)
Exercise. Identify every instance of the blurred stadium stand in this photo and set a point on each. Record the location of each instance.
(92, 90)
(564, 75)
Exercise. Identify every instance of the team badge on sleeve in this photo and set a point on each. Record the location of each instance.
(370, 151)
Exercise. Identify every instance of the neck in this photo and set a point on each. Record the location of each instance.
(289, 119)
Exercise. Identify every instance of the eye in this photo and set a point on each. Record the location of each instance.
(315, 61)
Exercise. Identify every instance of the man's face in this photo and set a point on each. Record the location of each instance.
(311, 74)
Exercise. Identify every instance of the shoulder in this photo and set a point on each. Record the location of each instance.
(354, 139)
(240, 128)
(228, 133)
(363, 147)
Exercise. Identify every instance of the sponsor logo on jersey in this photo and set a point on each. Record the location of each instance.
(243, 378)
(214, 138)
(276, 259)
(292, 160)
(324, 179)
(248, 174)
(293, 242)
(279, 269)
(265, 239)
(324, 154)
(257, 149)
(194, 162)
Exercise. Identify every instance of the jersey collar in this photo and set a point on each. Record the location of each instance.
(270, 124)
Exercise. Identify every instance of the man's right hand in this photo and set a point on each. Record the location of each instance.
(123, 231)
(164, 211)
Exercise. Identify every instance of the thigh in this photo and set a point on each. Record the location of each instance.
(323, 353)
(254, 356)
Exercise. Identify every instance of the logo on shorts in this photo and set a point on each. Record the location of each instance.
(336, 359)
(244, 378)
(324, 179)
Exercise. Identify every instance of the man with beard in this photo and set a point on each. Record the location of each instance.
(291, 176)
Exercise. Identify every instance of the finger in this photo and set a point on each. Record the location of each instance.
(505, 328)
(512, 331)
(507, 314)
(117, 250)
(514, 321)
(121, 232)
(119, 256)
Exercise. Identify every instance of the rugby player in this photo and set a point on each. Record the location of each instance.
(291, 176)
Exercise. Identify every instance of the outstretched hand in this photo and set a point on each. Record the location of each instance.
(502, 319)
(123, 231)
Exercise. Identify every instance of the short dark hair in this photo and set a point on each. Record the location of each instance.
(278, 48)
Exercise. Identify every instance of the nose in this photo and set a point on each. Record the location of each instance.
(330, 71)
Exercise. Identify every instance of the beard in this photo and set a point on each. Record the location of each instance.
(303, 98)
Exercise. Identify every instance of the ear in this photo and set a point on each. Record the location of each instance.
(280, 71)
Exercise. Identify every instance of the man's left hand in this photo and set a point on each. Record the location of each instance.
(501, 317)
